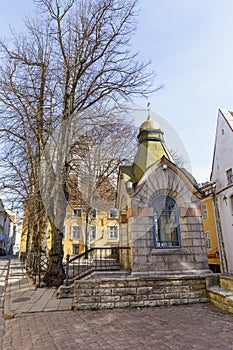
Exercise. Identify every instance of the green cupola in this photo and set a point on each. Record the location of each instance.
(151, 147)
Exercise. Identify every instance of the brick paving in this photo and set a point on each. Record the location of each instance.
(4, 263)
(43, 326)
(22, 297)
(197, 326)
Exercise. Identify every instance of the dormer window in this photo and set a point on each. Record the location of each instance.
(113, 213)
(94, 213)
(77, 213)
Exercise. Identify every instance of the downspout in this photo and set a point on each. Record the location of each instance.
(222, 251)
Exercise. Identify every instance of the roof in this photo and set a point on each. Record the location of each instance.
(228, 116)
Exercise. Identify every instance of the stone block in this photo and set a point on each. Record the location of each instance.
(144, 290)
(109, 298)
(122, 304)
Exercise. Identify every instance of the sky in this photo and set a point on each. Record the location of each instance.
(189, 44)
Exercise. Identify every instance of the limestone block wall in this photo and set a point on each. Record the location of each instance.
(139, 292)
(140, 215)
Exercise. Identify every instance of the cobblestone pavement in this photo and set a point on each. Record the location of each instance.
(199, 327)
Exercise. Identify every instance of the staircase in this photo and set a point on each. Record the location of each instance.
(220, 290)
(94, 263)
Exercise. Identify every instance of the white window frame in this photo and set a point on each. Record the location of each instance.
(94, 213)
(76, 236)
(229, 175)
(113, 213)
(93, 232)
(75, 245)
(208, 240)
(204, 211)
(113, 232)
(64, 232)
(78, 214)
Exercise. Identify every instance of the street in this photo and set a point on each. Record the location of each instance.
(183, 327)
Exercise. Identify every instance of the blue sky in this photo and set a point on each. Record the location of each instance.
(190, 46)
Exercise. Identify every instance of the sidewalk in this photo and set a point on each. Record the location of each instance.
(22, 297)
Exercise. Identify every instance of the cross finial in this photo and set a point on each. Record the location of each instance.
(148, 109)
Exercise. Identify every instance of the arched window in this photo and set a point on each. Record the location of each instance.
(166, 223)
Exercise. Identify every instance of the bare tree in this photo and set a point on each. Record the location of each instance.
(74, 57)
(94, 161)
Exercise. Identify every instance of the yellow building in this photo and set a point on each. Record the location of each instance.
(209, 226)
(102, 229)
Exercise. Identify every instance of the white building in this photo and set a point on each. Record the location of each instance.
(7, 230)
(222, 176)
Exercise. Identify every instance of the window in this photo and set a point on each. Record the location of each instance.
(75, 249)
(76, 232)
(92, 232)
(113, 214)
(64, 232)
(77, 213)
(204, 212)
(94, 213)
(113, 232)
(231, 204)
(207, 240)
(229, 176)
(166, 223)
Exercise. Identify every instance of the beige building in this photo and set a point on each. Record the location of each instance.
(103, 229)
(86, 227)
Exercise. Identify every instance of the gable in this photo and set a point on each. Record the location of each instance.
(222, 157)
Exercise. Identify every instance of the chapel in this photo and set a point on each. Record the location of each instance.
(160, 212)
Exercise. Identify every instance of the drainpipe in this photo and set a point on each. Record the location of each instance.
(222, 251)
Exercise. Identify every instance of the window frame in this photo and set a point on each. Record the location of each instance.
(76, 215)
(115, 235)
(231, 203)
(204, 212)
(64, 232)
(75, 249)
(115, 216)
(93, 237)
(208, 239)
(229, 175)
(162, 215)
(94, 214)
(72, 236)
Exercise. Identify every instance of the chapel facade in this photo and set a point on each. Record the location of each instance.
(159, 211)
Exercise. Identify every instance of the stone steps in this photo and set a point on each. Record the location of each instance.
(221, 295)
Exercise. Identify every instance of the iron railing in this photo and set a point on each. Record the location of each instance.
(94, 259)
(37, 265)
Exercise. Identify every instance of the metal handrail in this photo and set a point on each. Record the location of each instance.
(94, 259)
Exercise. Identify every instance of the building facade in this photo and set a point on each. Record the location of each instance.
(222, 178)
(7, 229)
(210, 228)
(102, 229)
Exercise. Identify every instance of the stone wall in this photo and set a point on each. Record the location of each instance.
(139, 292)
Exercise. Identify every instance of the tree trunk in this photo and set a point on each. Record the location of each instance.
(55, 275)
